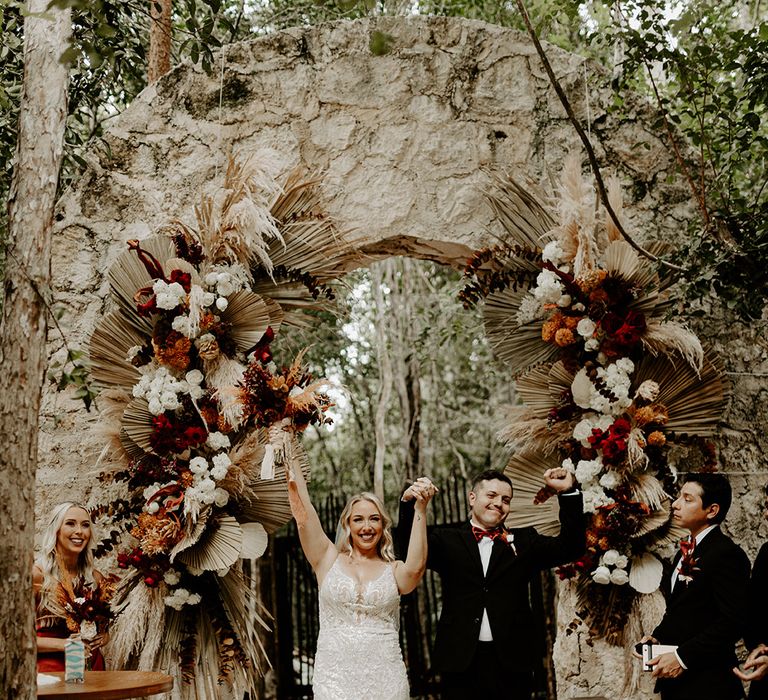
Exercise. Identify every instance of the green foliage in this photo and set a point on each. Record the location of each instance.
(73, 371)
(708, 72)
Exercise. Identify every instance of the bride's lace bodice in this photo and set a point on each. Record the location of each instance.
(358, 649)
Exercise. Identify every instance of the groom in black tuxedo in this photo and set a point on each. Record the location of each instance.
(484, 642)
(706, 593)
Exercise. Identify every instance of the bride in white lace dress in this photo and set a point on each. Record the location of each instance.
(358, 649)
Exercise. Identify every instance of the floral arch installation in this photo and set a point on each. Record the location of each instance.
(442, 105)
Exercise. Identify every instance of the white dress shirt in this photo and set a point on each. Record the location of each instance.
(485, 545)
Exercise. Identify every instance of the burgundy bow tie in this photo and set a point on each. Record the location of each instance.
(479, 533)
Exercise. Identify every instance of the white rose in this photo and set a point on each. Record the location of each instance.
(220, 497)
(181, 325)
(586, 327)
(609, 480)
(583, 430)
(610, 557)
(218, 473)
(568, 465)
(195, 392)
(622, 561)
(222, 303)
(601, 575)
(619, 577)
(155, 407)
(206, 486)
(218, 441)
(153, 507)
(222, 460)
(194, 376)
(208, 298)
(591, 344)
(625, 365)
(564, 301)
(198, 465)
(193, 599)
(211, 278)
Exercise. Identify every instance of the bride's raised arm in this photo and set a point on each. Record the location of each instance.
(319, 550)
(409, 572)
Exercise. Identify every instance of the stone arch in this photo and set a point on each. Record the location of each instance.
(403, 141)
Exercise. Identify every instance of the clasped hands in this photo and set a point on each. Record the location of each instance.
(758, 662)
(422, 491)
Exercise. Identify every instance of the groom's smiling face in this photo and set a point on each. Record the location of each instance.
(489, 503)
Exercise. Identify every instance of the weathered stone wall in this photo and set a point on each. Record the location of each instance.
(402, 141)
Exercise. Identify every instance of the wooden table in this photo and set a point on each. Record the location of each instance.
(108, 685)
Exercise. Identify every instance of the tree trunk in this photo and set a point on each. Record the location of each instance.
(159, 62)
(385, 378)
(42, 119)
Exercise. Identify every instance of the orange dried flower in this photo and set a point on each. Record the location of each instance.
(657, 439)
(564, 337)
(207, 322)
(157, 533)
(591, 538)
(655, 413)
(604, 544)
(174, 352)
(548, 331)
(571, 322)
(592, 279)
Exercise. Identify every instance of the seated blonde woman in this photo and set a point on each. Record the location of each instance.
(64, 565)
(358, 648)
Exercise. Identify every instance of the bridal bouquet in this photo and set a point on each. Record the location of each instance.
(611, 388)
(87, 606)
(202, 421)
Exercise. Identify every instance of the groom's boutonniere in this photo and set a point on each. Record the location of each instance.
(509, 539)
(688, 562)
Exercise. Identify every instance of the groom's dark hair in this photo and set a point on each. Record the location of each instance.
(715, 488)
(490, 475)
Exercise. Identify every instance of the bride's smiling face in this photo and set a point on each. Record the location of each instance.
(365, 525)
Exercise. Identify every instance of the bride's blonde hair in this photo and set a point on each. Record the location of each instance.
(48, 561)
(384, 548)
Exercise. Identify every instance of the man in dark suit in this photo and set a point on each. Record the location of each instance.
(706, 593)
(756, 632)
(484, 641)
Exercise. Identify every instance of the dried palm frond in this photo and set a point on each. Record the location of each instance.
(663, 336)
(526, 470)
(525, 220)
(255, 540)
(645, 573)
(128, 274)
(112, 403)
(652, 522)
(519, 346)
(137, 423)
(695, 401)
(218, 547)
(649, 490)
(110, 342)
(269, 497)
(194, 531)
(249, 315)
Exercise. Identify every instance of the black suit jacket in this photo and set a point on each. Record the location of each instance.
(454, 554)
(757, 617)
(704, 618)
